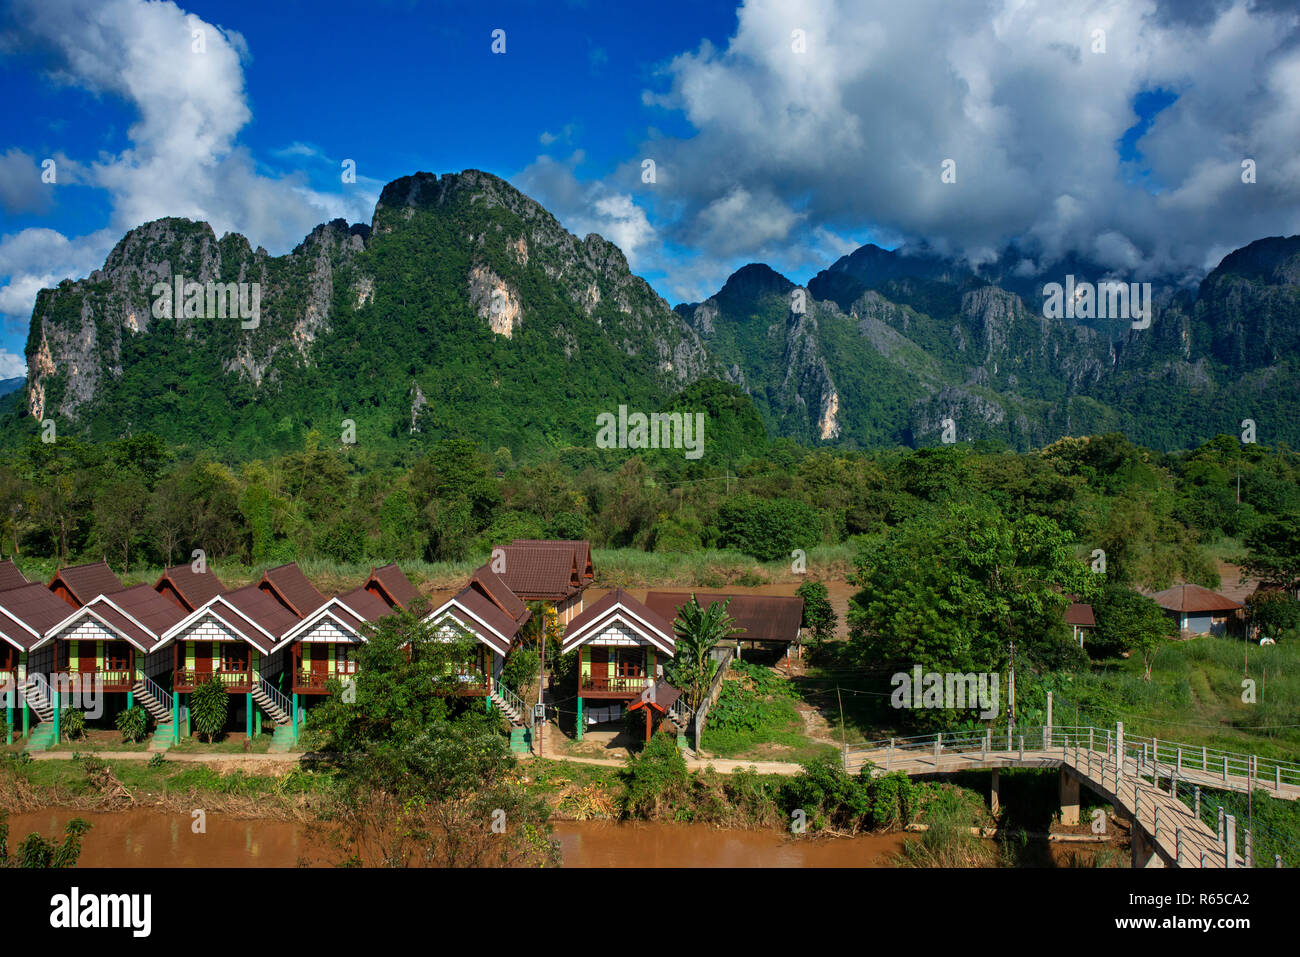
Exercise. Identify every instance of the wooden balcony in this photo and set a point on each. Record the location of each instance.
(618, 687)
(314, 682)
(114, 677)
(472, 683)
(235, 682)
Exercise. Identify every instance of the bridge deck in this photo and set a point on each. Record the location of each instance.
(1096, 769)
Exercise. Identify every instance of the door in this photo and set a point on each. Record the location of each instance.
(88, 656)
(599, 668)
(320, 665)
(203, 657)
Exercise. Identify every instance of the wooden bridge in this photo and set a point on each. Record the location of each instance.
(1127, 771)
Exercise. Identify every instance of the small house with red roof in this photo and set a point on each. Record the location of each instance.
(490, 612)
(1198, 610)
(188, 588)
(390, 585)
(550, 571)
(78, 584)
(622, 645)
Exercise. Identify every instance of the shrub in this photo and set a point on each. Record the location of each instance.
(210, 709)
(655, 781)
(72, 724)
(133, 723)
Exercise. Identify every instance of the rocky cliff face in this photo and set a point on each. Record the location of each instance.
(459, 287)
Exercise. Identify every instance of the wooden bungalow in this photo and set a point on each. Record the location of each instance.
(771, 621)
(1199, 611)
(27, 612)
(622, 645)
(390, 585)
(113, 640)
(324, 645)
(233, 639)
(1080, 618)
(550, 571)
(187, 588)
(490, 612)
(80, 583)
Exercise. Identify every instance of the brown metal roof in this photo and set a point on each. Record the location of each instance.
(1192, 598)
(606, 607)
(139, 614)
(542, 570)
(1080, 614)
(481, 603)
(365, 604)
(661, 699)
(10, 576)
(288, 584)
(253, 606)
(195, 588)
(85, 582)
(35, 606)
(581, 551)
(758, 617)
(393, 582)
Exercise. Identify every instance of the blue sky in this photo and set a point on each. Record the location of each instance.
(782, 132)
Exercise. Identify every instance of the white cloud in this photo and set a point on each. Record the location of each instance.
(183, 158)
(851, 134)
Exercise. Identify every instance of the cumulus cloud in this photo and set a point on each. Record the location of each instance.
(592, 207)
(852, 133)
(183, 158)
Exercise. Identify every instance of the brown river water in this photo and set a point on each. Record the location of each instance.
(145, 837)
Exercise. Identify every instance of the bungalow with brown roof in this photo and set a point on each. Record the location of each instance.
(233, 639)
(189, 588)
(27, 612)
(289, 586)
(80, 583)
(546, 570)
(1080, 618)
(1197, 610)
(487, 610)
(323, 646)
(110, 644)
(622, 645)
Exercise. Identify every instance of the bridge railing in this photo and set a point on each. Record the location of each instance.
(1152, 754)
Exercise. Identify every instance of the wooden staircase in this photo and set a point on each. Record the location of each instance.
(148, 697)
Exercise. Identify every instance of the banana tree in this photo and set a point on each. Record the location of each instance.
(699, 630)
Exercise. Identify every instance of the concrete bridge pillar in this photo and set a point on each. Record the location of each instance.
(995, 793)
(1143, 849)
(1069, 798)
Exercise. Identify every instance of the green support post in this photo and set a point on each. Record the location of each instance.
(295, 717)
(578, 734)
(187, 721)
(27, 719)
(248, 713)
(130, 700)
(176, 716)
(55, 695)
(257, 720)
(9, 720)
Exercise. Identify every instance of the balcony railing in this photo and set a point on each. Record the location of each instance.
(185, 679)
(619, 685)
(313, 682)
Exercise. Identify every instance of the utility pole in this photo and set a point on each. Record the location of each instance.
(540, 725)
(844, 741)
(1011, 688)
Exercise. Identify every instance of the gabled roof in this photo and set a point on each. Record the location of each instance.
(250, 612)
(194, 588)
(1193, 598)
(1080, 614)
(620, 607)
(581, 551)
(350, 610)
(758, 617)
(542, 569)
(488, 608)
(28, 612)
(395, 588)
(10, 576)
(290, 586)
(662, 696)
(139, 615)
(85, 582)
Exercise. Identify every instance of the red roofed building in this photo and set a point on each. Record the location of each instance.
(549, 571)
(765, 619)
(80, 583)
(27, 612)
(1081, 620)
(10, 576)
(187, 588)
(1197, 610)
(622, 645)
(492, 614)
(323, 646)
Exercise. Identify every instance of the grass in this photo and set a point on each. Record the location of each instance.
(755, 718)
(1195, 696)
(225, 744)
